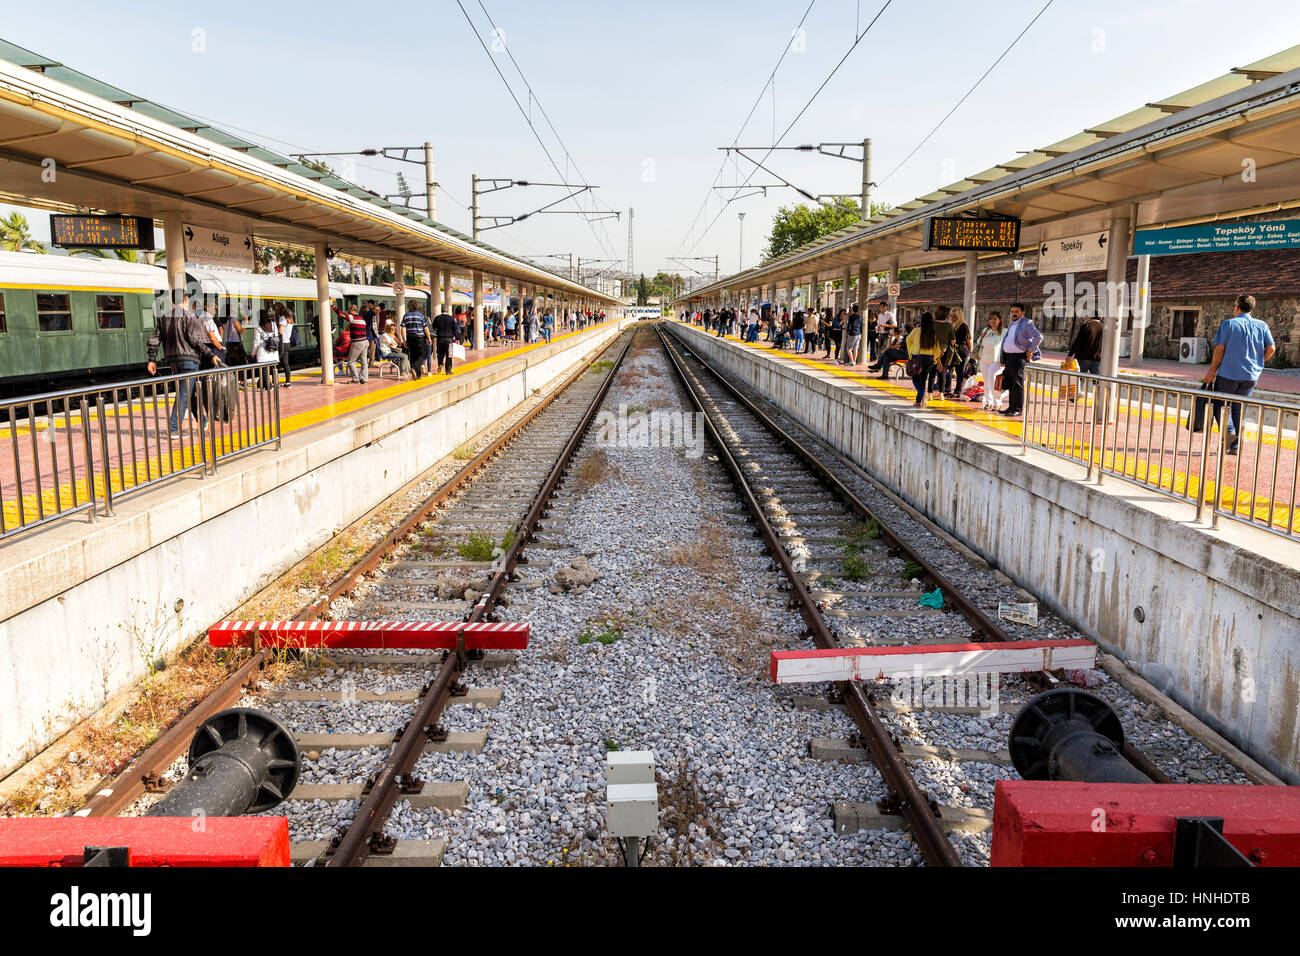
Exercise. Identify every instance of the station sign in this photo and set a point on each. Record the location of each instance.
(213, 247)
(1084, 253)
(971, 235)
(102, 232)
(1218, 237)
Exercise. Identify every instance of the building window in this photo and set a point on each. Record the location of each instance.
(111, 311)
(1184, 323)
(3, 328)
(53, 312)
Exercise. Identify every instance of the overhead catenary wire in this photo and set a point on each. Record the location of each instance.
(534, 98)
(527, 119)
(740, 132)
(968, 93)
(777, 142)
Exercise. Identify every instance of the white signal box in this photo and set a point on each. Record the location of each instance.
(630, 766)
(632, 796)
(632, 810)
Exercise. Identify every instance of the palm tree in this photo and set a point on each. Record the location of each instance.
(124, 255)
(16, 234)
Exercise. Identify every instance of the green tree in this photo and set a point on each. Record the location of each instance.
(642, 290)
(16, 234)
(795, 226)
(667, 285)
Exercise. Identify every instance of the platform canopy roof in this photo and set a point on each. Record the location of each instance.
(1178, 160)
(120, 153)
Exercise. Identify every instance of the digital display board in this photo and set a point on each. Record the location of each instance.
(972, 235)
(102, 232)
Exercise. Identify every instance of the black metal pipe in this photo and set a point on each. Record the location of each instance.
(1069, 734)
(241, 761)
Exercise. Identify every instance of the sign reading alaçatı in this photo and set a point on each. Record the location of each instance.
(214, 247)
(971, 235)
(102, 232)
(1217, 237)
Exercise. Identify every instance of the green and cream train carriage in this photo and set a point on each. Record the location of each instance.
(66, 321)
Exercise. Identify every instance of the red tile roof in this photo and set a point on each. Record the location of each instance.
(1266, 272)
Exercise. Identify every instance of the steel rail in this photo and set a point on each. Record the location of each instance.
(987, 629)
(139, 775)
(364, 834)
(915, 806)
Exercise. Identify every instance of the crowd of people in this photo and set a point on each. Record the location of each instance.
(418, 344)
(939, 351)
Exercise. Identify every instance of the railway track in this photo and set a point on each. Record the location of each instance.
(385, 779)
(843, 565)
(461, 546)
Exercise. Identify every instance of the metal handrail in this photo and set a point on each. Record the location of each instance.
(57, 448)
(1145, 429)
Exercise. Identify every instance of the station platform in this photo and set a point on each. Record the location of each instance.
(1211, 616)
(1132, 433)
(307, 403)
(87, 606)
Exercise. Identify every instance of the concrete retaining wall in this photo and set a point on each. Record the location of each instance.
(84, 607)
(1221, 609)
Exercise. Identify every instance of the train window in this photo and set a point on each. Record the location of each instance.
(3, 328)
(53, 312)
(111, 311)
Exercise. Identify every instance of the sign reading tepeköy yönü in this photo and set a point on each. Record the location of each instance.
(1217, 237)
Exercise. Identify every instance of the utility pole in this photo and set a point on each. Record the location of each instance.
(630, 269)
(740, 265)
(473, 213)
(866, 179)
(833, 150)
(496, 184)
(431, 206)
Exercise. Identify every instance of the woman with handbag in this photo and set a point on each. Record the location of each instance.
(926, 355)
(266, 346)
(959, 350)
(988, 347)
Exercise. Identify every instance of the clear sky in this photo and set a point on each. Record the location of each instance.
(642, 94)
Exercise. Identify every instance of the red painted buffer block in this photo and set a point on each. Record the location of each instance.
(153, 841)
(1061, 823)
(386, 635)
(930, 660)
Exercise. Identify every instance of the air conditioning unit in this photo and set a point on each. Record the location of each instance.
(1193, 351)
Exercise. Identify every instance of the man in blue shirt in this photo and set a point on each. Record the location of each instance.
(1241, 347)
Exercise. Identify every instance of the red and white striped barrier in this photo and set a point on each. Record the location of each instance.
(505, 636)
(930, 660)
(151, 841)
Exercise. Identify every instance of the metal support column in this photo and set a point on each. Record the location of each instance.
(969, 287)
(399, 276)
(323, 337)
(1140, 314)
(1116, 273)
(174, 243)
(478, 310)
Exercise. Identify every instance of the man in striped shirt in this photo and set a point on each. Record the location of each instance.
(417, 339)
